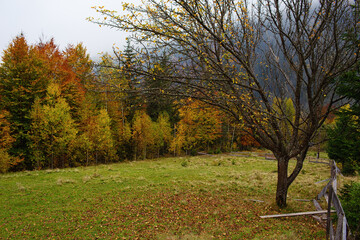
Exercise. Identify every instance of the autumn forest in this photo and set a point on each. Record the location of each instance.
(60, 109)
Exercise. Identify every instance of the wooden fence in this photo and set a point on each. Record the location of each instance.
(329, 192)
(319, 160)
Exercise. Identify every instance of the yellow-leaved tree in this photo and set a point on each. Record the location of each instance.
(142, 134)
(95, 142)
(53, 131)
(199, 127)
(104, 144)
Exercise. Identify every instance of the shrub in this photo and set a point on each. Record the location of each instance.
(349, 196)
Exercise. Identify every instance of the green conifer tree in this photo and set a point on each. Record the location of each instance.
(21, 82)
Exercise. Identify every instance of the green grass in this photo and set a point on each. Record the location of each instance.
(170, 198)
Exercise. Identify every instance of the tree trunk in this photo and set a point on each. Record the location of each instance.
(282, 182)
(232, 139)
(52, 160)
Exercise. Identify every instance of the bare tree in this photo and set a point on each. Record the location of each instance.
(250, 60)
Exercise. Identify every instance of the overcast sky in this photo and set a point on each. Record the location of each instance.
(63, 20)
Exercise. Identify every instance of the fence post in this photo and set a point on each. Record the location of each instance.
(333, 176)
(339, 227)
(342, 227)
(328, 220)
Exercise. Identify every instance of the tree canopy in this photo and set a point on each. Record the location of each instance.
(245, 58)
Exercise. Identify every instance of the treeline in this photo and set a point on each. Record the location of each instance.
(59, 109)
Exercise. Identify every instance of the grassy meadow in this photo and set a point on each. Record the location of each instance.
(203, 197)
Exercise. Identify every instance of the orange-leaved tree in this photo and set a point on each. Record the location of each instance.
(70, 69)
(25, 74)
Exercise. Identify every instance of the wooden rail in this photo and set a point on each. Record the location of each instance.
(329, 192)
(270, 156)
(319, 160)
(294, 214)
